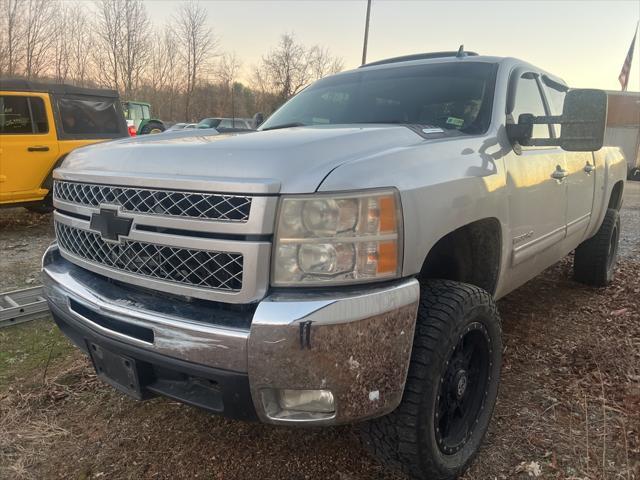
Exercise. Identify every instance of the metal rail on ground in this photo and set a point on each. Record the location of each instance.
(21, 306)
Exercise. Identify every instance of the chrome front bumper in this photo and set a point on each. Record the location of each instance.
(355, 343)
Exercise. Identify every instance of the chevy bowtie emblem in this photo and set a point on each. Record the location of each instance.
(110, 226)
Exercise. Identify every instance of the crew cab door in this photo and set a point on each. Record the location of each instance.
(580, 168)
(537, 192)
(28, 145)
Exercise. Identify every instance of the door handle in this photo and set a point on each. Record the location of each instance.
(588, 168)
(559, 174)
(38, 148)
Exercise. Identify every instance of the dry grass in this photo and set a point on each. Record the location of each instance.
(569, 405)
(29, 423)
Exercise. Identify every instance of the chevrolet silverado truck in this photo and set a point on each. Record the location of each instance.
(342, 263)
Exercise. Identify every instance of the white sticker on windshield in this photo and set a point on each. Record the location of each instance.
(432, 130)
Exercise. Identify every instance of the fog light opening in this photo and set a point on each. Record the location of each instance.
(298, 405)
(315, 401)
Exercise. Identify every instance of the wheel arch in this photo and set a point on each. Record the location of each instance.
(471, 254)
(615, 199)
(48, 180)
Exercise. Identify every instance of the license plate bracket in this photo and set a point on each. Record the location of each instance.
(119, 371)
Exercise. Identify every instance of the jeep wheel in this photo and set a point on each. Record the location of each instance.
(451, 386)
(44, 207)
(152, 127)
(595, 258)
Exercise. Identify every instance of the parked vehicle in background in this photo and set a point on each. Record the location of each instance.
(226, 124)
(623, 128)
(176, 126)
(39, 125)
(342, 263)
(138, 115)
(182, 126)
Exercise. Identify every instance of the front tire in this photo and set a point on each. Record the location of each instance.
(595, 259)
(451, 387)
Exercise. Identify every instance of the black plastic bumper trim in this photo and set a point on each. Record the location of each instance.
(219, 391)
(135, 331)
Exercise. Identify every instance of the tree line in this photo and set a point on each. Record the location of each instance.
(179, 67)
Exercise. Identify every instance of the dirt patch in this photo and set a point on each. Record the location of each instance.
(24, 236)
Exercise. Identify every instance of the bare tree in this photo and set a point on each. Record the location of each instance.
(322, 63)
(62, 43)
(60, 39)
(228, 68)
(12, 36)
(108, 29)
(286, 67)
(135, 49)
(285, 70)
(166, 72)
(81, 45)
(227, 72)
(198, 46)
(38, 37)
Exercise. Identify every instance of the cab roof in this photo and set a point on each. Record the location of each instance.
(19, 85)
(453, 57)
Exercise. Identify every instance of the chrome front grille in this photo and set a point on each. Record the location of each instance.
(195, 205)
(185, 266)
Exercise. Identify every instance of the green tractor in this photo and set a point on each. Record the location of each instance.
(138, 116)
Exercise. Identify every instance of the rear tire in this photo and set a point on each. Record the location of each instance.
(151, 128)
(595, 259)
(451, 387)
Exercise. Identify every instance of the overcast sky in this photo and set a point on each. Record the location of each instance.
(584, 42)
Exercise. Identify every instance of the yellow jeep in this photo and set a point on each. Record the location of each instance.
(39, 125)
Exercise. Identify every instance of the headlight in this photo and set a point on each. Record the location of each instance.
(338, 238)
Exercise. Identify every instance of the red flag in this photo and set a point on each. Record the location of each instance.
(626, 66)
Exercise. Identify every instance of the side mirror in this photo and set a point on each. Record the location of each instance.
(583, 121)
(584, 117)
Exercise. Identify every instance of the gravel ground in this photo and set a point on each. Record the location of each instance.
(569, 401)
(630, 222)
(24, 236)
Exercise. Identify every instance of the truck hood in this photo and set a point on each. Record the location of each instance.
(292, 160)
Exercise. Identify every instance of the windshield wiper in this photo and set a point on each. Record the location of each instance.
(284, 125)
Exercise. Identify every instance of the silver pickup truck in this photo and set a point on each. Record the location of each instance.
(342, 263)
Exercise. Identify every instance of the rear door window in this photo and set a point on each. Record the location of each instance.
(89, 116)
(22, 115)
(14, 115)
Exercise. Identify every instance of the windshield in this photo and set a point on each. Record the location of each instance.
(454, 96)
(209, 123)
